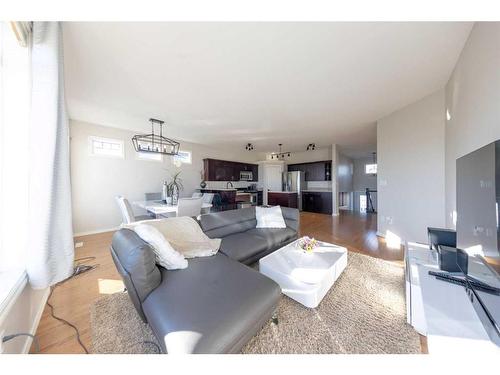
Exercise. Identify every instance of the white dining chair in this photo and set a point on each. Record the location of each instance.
(207, 198)
(189, 207)
(127, 212)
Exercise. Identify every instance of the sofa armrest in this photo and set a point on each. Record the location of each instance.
(292, 217)
(136, 264)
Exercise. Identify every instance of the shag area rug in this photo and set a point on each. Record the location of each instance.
(364, 312)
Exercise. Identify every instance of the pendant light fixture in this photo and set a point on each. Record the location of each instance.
(155, 142)
(280, 155)
(311, 147)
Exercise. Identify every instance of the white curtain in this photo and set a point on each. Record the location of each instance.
(22, 30)
(50, 248)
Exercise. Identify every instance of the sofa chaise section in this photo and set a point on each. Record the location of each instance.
(214, 306)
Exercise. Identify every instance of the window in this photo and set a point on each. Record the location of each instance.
(152, 156)
(371, 168)
(15, 93)
(183, 157)
(362, 203)
(106, 147)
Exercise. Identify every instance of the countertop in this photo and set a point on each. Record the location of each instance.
(317, 191)
(220, 189)
(283, 192)
(246, 191)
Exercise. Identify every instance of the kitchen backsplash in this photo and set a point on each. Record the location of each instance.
(243, 184)
(223, 184)
(318, 185)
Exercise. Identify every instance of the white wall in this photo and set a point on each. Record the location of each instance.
(335, 180)
(97, 180)
(410, 144)
(22, 315)
(471, 98)
(345, 169)
(361, 181)
(473, 102)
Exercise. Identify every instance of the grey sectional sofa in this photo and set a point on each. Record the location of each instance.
(243, 242)
(217, 304)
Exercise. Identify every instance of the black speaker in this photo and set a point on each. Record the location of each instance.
(439, 236)
(447, 259)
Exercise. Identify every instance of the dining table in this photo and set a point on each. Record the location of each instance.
(159, 207)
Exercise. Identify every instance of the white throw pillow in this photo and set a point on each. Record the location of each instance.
(269, 217)
(166, 256)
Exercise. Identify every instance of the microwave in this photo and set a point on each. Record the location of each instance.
(246, 176)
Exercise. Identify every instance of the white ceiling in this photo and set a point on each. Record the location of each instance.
(227, 84)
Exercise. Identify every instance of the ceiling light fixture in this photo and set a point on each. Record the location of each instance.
(311, 147)
(155, 142)
(249, 147)
(280, 155)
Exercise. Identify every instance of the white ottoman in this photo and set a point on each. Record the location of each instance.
(305, 277)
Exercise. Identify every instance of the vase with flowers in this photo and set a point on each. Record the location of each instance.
(173, 188)
(307, 244)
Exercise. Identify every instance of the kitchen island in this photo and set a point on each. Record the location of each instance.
(317, 200)
(224, 198)
(233, 198)
(282, 198)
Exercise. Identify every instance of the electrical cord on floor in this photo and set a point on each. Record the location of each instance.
(78, 270)
(155, 345)
(35, 339)
(64, 320)
(84, 258)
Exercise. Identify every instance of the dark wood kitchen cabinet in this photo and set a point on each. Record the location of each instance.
(224, 170)
(315, 171)
(255, 172)
(283, 199)
(320, 202)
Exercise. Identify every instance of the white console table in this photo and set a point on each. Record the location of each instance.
(440, 310)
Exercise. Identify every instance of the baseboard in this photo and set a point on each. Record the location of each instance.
(36, 321)
(79, 234)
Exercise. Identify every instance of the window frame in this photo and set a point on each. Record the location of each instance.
(371, 164)
(93, 138)
(15, 108)
(177, 160)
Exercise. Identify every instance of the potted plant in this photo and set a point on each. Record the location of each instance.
(173, 189)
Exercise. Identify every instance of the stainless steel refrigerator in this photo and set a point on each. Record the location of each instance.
(294, 181)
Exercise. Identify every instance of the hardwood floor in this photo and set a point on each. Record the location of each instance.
(357, 232)
(73, 298)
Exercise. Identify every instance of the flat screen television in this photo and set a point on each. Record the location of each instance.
(478, 201)
(478, 232)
